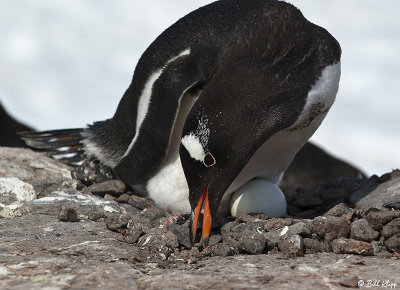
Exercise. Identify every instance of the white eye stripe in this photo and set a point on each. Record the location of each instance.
(196, 151)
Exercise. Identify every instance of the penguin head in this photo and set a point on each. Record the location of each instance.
(210, 166)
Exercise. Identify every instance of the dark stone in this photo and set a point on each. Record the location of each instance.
(252, 242)
(92, 171)
(277, 223)
(330, 228)
(226, 228)
(159, 239)
(140, 202)
(339, 210)
(112, 187)
(391, 228)
(273, 236)
(232, 244)
(254, 227)
(361, 230)
(300, 228)
(139, 223)
(351, 282)
(123, 198)
(393, 243)
(313, 246)
(246, 218)
(68, 214)
(378, 218)
(350, 246)
(214, 239)
(182, 233)
(222, 250)
(286, 242)
(153, 213)
(307, 214)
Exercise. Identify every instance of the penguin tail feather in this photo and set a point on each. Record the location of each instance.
(63, 145)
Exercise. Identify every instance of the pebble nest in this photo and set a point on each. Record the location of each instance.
(319, 220)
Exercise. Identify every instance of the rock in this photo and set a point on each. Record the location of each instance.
(182, 233)
(273, 236)
(300, 228)
(361, 230)
(112, 187)
(375, 194)
(232, 244)
(378, 218)
(159, 239)
(290, 245)
(87, 206)
(277, 223)
(391, 228)
(393, 243)
(330, 228)
(254, 227)
(226, 229)
(153, 213)
(252, 242)
(222, 250)
(123, 198)
(92, 171)
(313, 246)
(13, 189)
(214, 239)
(68, 214)
(334, 194)
(140, 202)
(351, 282)
(339, 210)
(350, 246)
(141, 223)
(44, 174)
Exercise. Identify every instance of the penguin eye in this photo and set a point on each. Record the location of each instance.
(209, 160)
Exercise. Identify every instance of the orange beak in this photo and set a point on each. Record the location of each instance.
(207, 219)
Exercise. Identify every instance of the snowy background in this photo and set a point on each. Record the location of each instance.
(66, 63)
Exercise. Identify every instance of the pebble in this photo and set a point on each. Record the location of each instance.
(113, 187)
(287, 244)
(182, 233)
(159, 239)
(350, 246)
(361, 230)
(378, 218)
(339, 210)
(313, 246)
(140, 202)
(350, 282)
(221, 249)
(391, 228)
(277, 223)
(68, 214)
(393, 243)
(251, 242)
(300, 228)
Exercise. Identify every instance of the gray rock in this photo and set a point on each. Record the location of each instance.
(86, 205)
(300, 228)
(226, 229)
(391, 229)
(214, 239)
(153, 213)
(330, 228)
(339, 210)
(287, 244)
(350, 246)
(375, 195)
(393, 243)
(139, 223)
(112, 187)
(313, 246)
(254, 227)
(159, 239)
(140, 202)
(277, 223)
(44, 174)
(273, 236)
(222, 250)
(252, 242)
(378, 218)
(362, 230)
(182, 233)
(68, 214)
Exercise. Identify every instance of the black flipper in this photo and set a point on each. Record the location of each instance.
(149, 149)
(63, 145)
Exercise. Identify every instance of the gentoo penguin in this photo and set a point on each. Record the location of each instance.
(226, 95)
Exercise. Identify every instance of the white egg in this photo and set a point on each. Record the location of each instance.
(259, 196)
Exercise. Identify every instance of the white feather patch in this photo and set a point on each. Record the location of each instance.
(194, 147)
